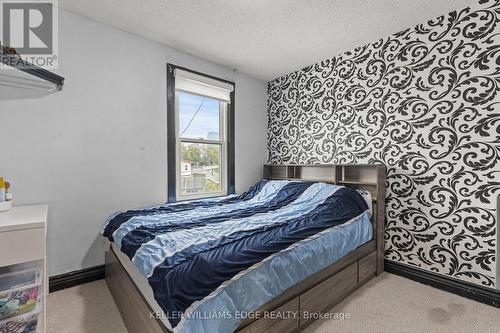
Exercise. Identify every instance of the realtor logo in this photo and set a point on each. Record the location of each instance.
(30, 27)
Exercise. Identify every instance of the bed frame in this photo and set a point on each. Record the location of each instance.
(316, 294)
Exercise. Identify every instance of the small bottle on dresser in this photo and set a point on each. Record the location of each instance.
(3, 189)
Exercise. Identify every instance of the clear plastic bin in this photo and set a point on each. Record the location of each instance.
(31, 277)
(20, 324)
(15, 303)
(20, 293)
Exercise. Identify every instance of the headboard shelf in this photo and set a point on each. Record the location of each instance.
(353, 182)
(345, 174)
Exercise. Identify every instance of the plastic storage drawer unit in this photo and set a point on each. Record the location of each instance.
(20, 301)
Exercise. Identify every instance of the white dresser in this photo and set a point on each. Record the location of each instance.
(23, 234)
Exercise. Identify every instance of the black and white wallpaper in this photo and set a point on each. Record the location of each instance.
(425, 102)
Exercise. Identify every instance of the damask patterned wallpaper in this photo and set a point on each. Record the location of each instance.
(425, 102)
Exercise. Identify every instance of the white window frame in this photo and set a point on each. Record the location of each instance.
(223, 128)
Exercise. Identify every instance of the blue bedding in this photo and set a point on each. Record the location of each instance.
(221, 257)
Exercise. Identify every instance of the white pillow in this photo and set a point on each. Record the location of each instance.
(368, 198)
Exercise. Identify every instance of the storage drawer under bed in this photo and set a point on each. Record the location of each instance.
(319, 299)
(325, 295)
(287, 320)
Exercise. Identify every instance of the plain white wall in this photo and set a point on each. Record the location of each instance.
(99, 145)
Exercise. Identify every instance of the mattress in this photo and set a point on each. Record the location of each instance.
(140, 281)
(213, 261)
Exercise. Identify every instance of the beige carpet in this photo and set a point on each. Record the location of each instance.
(386, 304)
(88, 308)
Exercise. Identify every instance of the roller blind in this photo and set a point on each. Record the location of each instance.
(202, 85)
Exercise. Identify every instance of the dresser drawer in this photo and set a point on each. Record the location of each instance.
(289, 310)
(22, 245)
(367, 267)
(329, 292)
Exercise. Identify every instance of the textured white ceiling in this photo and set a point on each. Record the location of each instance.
(264, 38)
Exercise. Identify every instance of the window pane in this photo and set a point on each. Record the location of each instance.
(200, 168)
(199, 117)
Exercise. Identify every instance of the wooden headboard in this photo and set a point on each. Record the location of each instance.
(368, 177)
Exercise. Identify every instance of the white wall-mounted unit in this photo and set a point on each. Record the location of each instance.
(24, 79)
(12, 78)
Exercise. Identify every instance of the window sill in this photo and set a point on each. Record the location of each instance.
(201, 196)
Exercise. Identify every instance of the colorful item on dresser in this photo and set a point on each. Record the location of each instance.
(3, 189)
(5, 196)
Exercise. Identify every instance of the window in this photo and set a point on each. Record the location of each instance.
(201, 119)
(202, 145)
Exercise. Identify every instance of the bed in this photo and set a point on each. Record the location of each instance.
(273, 259)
